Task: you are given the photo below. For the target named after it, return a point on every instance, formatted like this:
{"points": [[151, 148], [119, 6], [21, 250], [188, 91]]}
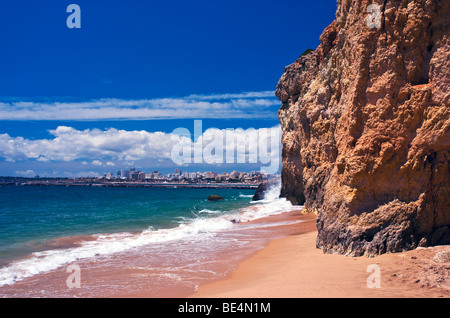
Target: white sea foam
{"points": [[207, 211], [271, 204], [107, 244]]}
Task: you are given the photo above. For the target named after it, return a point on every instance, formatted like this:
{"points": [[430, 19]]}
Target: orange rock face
{"points": [[366, 128]]}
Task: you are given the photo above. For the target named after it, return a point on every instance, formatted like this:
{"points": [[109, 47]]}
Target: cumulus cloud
{"points": [[243, 105], [102, 147], [26, 173], [70, 144]]}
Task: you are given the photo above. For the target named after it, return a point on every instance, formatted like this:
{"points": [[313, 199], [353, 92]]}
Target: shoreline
{"points": [[292, 267], [281, 261], [172, 269]]}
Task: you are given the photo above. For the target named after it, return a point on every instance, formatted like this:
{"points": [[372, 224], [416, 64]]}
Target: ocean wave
{"points": [[107, 244], [208, 211]]}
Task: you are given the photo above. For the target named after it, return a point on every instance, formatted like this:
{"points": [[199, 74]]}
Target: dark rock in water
{"points": [[263, 188], [215, 198], [259, 193]]}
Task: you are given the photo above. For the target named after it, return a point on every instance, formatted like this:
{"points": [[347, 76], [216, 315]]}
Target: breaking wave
{"points": [[106, 244]]}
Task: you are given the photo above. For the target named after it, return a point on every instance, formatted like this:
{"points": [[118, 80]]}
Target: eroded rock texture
{"points": [[366, 128]]}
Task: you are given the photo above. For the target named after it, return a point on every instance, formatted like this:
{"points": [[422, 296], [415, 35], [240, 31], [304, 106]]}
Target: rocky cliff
{"points": [[366, 128]]}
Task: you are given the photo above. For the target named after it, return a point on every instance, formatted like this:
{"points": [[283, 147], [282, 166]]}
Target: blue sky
{"points": [[145, 66]]}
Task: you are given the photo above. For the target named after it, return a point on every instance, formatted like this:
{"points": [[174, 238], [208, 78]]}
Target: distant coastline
{"points": [[95, 182]]}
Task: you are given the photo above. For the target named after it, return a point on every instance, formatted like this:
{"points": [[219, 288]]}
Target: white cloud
{"points": [[27, 173], [244, 105], [70, 144], [103, 147]]}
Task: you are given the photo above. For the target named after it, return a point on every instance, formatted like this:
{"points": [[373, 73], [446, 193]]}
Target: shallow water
{"points": [[162, 242]]}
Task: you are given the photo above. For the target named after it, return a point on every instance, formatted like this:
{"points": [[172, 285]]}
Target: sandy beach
{"points": [[292, 267], [279, 260]]}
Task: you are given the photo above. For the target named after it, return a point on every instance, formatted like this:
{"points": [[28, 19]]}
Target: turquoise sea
{"points": [[44, 228], [33, 216]]}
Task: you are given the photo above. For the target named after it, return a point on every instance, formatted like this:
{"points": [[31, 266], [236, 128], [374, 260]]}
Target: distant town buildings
{"points": [[185, 176], [136, 178]]}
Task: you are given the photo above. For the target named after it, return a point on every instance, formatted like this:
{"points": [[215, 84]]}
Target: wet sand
{"points": [[292, 267], [273, 257], [172, 269]]}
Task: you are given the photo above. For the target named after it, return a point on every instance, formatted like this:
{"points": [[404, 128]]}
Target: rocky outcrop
{"points": [[264, 188], [260, 191], [366, 128]]}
